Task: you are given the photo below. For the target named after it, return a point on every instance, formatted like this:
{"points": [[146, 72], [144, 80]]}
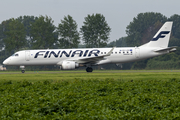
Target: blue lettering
{"points": [[95, 52], [80, 53], [160, 35], [46, 54], [55, 55], [85, 53], [37, 54], [64, 52]]}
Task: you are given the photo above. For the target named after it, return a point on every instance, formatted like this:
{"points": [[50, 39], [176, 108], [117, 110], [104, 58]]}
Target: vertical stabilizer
{"points": [[161, 39]]}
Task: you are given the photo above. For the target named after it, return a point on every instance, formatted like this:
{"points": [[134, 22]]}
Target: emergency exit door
{"points": [[137, 52]]}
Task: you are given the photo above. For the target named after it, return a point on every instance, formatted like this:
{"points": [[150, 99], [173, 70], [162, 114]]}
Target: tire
{"points": [[89, 69], [23, 71]]}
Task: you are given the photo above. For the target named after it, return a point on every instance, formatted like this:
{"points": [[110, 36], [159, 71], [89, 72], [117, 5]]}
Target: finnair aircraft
{"points": [[69, 59]]}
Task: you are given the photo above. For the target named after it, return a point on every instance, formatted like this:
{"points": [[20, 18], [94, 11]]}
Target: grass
{"points": [[98, 95], [101, 75]]}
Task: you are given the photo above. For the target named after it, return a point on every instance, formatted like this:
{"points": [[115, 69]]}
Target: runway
{"points": [[83, 71]]}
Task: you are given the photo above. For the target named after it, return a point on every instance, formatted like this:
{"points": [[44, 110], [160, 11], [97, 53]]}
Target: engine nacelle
{"points": [[69, 65]]}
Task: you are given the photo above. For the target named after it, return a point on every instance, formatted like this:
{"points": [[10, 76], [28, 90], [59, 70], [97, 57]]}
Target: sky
{"points": [[118, 13]]}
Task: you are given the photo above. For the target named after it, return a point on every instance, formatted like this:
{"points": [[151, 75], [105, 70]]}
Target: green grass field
{"points": [[100, 75], [78, 95]]}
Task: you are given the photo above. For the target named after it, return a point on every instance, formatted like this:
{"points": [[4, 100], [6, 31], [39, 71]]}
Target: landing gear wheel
{"points": [[89, 69], [23, 71]]}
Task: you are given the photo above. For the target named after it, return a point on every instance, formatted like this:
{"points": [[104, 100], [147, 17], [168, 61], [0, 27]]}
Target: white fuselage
{"points": [[72, 58], [57, 56]]}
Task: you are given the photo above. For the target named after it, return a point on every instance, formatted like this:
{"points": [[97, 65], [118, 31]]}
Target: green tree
{"points": [[175, 35], [68, 34], [27, 21], [176, 25], [3, 29], [95, 31], [121, 42], [1, 37], [15, 36], [143, 28], [43, 33]]}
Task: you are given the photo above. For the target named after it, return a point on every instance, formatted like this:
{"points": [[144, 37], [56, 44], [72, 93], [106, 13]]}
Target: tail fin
{"points": [[161, 39]]}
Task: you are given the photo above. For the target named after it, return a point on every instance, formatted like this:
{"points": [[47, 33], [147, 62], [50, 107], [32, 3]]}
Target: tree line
{"points": [[29, 32]]}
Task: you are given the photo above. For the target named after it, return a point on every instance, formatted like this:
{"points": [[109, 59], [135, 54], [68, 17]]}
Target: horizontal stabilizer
{"points": [[169, 49]]}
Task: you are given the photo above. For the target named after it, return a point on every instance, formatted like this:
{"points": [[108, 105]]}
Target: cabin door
{"points": [[27, 55]]}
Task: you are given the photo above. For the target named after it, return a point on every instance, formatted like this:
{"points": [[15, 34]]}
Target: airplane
{"points": [[69, 59]]}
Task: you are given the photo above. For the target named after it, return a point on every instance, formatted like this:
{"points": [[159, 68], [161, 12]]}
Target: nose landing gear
{"points": [[22, 69]]}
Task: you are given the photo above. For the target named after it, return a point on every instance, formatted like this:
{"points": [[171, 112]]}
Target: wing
{"points": [[90, 60], [94, 59]]}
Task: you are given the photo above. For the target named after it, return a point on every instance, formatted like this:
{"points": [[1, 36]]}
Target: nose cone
{"points": [[6, 62]]}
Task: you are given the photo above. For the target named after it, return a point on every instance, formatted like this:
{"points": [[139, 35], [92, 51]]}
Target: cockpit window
{"points": [[15, 55]]}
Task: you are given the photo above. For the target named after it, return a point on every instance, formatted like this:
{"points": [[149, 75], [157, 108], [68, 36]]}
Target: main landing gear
{"points": [[89, 69]]}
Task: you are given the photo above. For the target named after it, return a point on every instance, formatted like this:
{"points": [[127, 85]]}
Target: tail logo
{"points": [[162, 34]]}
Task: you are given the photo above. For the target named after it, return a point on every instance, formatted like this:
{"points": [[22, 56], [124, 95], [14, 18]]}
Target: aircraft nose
{"points": [[5, 62]]}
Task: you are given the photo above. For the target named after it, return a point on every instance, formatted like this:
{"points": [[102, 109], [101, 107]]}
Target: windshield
{"points": [[15, 54]]}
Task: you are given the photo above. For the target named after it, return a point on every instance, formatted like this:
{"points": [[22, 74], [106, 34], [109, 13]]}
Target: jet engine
{"points": [[69, 65]]}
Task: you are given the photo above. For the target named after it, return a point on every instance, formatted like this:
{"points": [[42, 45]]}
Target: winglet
{"points": [[109, 53]]}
